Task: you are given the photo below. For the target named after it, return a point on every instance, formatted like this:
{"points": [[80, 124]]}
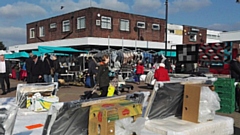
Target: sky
{"points": [[212, 14]]}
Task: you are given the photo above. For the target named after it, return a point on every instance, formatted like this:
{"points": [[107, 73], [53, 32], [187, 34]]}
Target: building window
{"points": [[155, 26], [32, 33], [106, 22], [81, 22], [171, 31], [53, 25], [41, 31], [212, 36], [65, 26], [124, 25], [193, 37], [141, 25]]}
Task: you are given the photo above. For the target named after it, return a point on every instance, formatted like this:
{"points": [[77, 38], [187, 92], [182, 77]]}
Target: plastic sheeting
{"points": [[67, 118], [24, 89], [127, 126], [25, 118], [8, 114], [167, 101], [209, 104], [139, 97], [173, 126]]}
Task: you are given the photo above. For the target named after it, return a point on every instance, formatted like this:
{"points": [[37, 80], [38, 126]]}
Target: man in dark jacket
{"points": [[29, 64], [92, 70], [47, 66], [235, 74], [5, 71], [36, 70], [235, 68], [56, 67]]}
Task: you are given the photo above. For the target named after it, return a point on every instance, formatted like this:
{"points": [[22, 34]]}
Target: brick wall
{"points": [[92, 30], [201, 35]]}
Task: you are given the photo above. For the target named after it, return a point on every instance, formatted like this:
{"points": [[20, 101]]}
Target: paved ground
{"points": [[71, 93]]}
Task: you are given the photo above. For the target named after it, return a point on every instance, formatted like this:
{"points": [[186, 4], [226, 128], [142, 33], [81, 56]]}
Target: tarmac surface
{"points": [[71, 93]]}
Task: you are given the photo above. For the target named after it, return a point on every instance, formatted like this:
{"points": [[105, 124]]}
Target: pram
{"points": [[121, 86]]}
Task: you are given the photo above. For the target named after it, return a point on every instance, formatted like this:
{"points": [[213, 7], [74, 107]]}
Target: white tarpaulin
{"points": [[173, 126], [28, 118], [25, 118]]}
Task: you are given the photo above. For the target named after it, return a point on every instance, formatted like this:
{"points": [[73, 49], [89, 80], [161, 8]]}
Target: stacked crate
{"points": [[226, 90]]}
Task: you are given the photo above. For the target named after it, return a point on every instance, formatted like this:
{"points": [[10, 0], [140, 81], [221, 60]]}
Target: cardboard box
{"points": [[191, 102], [102, 117]]}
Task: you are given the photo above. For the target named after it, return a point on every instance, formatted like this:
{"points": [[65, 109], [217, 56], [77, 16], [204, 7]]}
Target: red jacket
{"points": [[139, 69], [161, 74]]}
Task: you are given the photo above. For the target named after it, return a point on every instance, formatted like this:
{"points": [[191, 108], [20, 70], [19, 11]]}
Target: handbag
{"points": [[52, 70]]}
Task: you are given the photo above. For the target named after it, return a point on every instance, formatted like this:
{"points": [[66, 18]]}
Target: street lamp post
{"points": [[166, 29]]}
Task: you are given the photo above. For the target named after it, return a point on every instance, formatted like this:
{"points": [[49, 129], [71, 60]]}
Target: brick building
{"points": [[194, 35], [96, 27], [96, 22]]}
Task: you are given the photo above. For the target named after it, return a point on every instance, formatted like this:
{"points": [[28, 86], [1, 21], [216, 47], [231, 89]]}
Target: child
{"points": [[114, 81], [139, 71]]}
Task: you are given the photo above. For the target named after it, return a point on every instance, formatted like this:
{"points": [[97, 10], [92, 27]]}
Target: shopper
{"points": [[5, 71], [56, 68], [139, 71], [29, 64], [168, 64], [37, 70], [102, 76], [17, 68], [235, 68], [47, 67], [235, 74], [92, 70], [161, 74]]}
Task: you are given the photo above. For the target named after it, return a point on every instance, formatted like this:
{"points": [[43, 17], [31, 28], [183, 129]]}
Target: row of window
{"points": [[65, 27], [213, 36], [105, 23]]}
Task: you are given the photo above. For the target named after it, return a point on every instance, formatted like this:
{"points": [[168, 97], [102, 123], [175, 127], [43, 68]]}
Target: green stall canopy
{"points": [[9, 56], [18, 55], [51, 49], [169, 53], [40, 54]]}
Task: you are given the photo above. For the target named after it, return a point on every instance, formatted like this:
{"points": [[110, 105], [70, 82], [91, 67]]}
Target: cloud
{"points": [[115, 5], [225, 27], [146, 6], [185, 5], [21, 9], [12, 35], [189, 5], [70, 5]]}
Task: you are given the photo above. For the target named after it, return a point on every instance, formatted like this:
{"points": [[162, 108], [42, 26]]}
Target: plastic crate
{"points": [[226, 101], [223, 95], [224, 82], [227, 109], [224, 89]]}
